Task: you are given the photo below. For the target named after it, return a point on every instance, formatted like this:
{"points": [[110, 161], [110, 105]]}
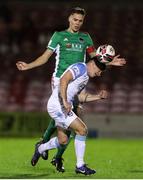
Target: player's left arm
{"points": [[91, 51], [87, 97], [117, 60]]}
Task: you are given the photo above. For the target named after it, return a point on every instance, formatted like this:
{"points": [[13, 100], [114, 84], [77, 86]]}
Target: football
{"points": [[105, 53]]}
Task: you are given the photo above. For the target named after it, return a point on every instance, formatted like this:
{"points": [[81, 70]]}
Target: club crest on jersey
{"points": [[81, 40], [68, 45]]}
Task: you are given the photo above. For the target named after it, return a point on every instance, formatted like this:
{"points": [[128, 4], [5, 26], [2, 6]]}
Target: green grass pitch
{"points": [[112, 158]]}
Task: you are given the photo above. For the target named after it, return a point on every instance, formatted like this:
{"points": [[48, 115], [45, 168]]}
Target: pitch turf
{"points": [[111, 158]]}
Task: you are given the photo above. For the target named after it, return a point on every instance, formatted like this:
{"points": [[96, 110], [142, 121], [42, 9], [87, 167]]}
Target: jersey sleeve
{"points": [[54, 41], [90, 46], [78, 70]]}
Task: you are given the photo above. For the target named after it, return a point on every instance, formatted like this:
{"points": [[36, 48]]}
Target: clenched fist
{"points": [[22, 65], [103, 94]]}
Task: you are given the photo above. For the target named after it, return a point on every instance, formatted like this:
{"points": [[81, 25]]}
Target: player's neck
{"points": [[71, 31]]}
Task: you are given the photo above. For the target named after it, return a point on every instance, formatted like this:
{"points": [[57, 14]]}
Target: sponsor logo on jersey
{"points": [[74, 47], [68, 45]]}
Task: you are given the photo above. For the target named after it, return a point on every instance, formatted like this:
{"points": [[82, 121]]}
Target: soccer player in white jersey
{"points": [[59, 107]]}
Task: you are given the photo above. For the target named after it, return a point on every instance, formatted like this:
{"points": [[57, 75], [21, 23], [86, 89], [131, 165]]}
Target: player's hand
{"points": [[103, 94], [117, 61], [22, 66], [67, 107]]}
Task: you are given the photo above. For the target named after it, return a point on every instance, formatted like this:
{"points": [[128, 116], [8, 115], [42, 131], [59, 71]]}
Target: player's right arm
{"points": [[38, 62], [73, 73], [64, 81], [52, 45]]}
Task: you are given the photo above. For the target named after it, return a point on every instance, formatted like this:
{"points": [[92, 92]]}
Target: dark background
{"points": [[25, 29]]}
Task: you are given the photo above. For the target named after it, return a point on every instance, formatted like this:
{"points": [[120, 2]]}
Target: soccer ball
{"points": [[105, 53]]}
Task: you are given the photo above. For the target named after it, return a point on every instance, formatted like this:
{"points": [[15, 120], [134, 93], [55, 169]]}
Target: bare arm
{"points": [[87, 97], [64, 81], [117, 60], [38, 62]]}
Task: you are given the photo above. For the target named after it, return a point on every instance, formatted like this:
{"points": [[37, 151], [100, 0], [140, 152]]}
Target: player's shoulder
{"points": [[61, 32], [56, 32], [84, 33], [80, 66]]}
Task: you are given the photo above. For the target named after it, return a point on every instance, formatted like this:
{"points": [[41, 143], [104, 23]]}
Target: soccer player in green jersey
{"points": [[70, 47]]}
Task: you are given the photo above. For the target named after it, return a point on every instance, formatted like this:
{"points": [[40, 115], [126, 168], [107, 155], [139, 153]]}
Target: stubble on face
{"points": [[75, 22]]}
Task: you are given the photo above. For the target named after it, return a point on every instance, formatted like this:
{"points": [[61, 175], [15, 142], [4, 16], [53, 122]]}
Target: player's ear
{"points": [[69, 19]]}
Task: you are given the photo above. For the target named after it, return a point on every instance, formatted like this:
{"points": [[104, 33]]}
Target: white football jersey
{"points": [[55, 107], [80, 79]]}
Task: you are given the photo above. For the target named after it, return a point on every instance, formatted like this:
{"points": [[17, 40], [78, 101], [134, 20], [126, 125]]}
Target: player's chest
{"points": [[73, 43], [81, 81]]}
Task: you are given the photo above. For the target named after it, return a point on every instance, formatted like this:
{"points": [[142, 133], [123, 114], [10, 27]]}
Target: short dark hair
{"points": [[100, 65], [78, 10]]}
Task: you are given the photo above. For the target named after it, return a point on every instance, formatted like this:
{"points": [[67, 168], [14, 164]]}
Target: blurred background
{"points": [[25, 29]]}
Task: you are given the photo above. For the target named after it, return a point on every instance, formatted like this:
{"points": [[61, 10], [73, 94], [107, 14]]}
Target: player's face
{"points": [[98, 72], [75, 22], [95, 71]]}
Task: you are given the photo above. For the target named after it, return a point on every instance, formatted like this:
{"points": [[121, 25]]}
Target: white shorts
{"points": [[56, 111]]}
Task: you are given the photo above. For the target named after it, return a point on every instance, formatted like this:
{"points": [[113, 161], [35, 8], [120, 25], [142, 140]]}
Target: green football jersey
{"points": [[70, 48]]}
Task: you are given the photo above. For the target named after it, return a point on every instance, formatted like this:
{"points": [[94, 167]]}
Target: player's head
{"points": [[95, 68], [76, 19]]}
